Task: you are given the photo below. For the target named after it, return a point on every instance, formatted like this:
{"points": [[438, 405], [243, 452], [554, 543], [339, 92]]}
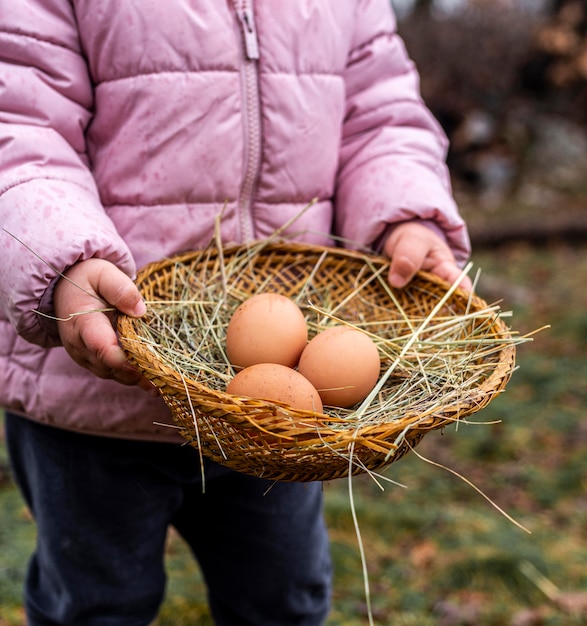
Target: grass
{"points": [[438, 553]]}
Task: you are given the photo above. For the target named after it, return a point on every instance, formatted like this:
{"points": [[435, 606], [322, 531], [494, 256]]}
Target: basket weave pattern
{"points": [[270, 439]]}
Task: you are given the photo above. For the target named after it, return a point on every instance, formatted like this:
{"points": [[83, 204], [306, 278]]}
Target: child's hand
{"points": [[90, 339], [413, 247]]}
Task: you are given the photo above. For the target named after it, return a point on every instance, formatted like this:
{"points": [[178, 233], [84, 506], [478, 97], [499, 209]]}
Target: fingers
{"points": [[413, 247], [408, 246], [92, 287], [93, 343], [407, 259], [118, 290], [449, 272]]}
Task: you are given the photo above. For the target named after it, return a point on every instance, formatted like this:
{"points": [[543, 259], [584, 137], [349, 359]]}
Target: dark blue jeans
{"points": [[103, 507]]}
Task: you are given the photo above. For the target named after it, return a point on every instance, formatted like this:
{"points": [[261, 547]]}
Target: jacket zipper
{"points": [[251, 116]]}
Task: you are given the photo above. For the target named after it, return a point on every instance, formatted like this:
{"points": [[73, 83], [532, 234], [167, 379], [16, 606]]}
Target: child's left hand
{"points": [[413, 247]]}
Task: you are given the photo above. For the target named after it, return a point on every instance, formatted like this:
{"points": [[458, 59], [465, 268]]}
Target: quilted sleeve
{"points": [[50, 211], [392, 162]]}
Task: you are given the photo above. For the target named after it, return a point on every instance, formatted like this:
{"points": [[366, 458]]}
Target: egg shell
{"points": [[266, 328], [343, 363], [272, 381]]}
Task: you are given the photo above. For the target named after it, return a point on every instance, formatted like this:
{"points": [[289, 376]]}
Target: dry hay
{"points": [[445, 354]]}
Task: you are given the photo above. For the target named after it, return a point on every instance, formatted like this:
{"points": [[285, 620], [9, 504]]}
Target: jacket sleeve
{"points": [[392, 162], [50, 211]]}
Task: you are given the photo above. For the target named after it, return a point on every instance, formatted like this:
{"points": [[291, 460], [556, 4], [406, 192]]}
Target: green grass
{"points": [[435, 547]]}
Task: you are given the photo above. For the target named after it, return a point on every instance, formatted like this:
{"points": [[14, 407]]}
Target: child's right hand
{"points": [[90, 338]]}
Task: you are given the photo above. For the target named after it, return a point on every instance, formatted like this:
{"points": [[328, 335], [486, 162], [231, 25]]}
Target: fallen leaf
{"points": [[574, 603]]}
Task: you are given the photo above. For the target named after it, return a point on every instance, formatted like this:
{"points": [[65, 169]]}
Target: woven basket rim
{"points": [[315, 427]]}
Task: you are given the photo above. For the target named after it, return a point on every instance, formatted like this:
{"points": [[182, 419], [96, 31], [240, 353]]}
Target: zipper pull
{"points": [[250, 33]]}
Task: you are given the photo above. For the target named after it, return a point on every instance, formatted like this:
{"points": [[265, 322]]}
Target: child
{"points": [[126, 127]]}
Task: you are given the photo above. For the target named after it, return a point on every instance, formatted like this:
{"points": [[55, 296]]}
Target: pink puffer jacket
{"points": [[125, 127]]}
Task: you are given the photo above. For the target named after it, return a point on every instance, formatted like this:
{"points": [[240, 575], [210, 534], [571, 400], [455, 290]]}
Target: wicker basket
{"points": [[269, 439]]}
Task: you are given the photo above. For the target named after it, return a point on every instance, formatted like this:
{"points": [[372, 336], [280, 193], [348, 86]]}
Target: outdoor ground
{"points": [[438, 553]]}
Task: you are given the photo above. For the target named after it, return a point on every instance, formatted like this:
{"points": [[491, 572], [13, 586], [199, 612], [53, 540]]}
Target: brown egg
{"points": [[266, 328], [271, 381], [342, 363]]}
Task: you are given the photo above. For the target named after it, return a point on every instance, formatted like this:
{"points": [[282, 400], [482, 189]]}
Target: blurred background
{"points": [[507, 79]]}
